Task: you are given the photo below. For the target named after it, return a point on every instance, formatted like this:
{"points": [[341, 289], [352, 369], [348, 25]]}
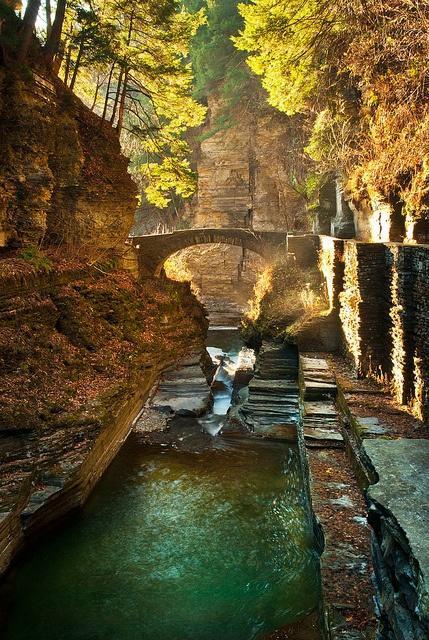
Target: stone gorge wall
{"points": [[62, 176], [79, 353], [80, 347], [245, 166], [243, 180], [383, 304], [380, 300]]}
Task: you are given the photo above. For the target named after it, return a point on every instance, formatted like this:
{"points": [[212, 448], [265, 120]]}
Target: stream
{"points": [[190, 535]]}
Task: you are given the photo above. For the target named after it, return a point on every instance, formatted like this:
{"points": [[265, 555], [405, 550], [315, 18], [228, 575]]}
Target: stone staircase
{"points": [[272, 406], [320, 417]]}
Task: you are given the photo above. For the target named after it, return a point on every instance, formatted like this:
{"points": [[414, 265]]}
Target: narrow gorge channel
{"points": [[198, 531]]}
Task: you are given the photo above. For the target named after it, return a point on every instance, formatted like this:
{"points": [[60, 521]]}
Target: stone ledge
{"points": [[399, 515]]}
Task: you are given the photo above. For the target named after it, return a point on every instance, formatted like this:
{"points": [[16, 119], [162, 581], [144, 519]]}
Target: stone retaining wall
{"points": [[381, 294]]}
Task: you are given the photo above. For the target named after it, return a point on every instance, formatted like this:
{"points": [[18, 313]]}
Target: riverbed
{"points": [[188, 536]]}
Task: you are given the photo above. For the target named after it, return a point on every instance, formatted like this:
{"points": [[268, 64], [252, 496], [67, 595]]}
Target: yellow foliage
{"points": [[263, 286]]}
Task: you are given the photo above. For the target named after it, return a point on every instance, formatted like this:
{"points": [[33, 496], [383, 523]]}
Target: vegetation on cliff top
{"points": [[218, 66], [128, 63], [358, 71], [355, 72]]}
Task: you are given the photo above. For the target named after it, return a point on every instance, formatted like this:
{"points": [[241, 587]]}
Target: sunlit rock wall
{"points": [[245, 166], [383, 304], [377, 219], [244, 180], [62, 176]]}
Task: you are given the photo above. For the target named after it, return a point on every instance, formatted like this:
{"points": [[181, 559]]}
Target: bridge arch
{"points": [[154, 250]]}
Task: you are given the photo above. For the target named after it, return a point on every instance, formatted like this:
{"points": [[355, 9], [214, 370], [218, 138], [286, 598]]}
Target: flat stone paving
{"points": [[384, 436], [339, 505], [320, 418]]}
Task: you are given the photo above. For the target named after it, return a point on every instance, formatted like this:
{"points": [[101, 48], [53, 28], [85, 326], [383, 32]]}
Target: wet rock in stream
{"points": [[183, 390], [270, 405]]}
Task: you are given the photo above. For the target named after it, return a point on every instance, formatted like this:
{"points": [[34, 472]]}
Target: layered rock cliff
{"points": [[79, 352], [247, 171], [81, 342], [63, 179]]}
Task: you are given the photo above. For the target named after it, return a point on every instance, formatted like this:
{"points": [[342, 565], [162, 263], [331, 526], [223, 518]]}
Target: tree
{"points": [[216, 62], [53, 41], [27, 29], [357, 70], [128, 61]]}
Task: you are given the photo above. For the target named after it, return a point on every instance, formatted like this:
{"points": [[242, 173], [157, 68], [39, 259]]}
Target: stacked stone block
{"points": [[419, 261], [381, 293]]}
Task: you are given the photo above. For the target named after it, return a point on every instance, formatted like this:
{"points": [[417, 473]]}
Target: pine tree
{"points": [[128, 61]]}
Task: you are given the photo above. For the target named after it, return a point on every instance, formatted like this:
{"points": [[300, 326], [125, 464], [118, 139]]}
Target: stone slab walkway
{"points": [[339, 506], [390, 449], [399, 514]]}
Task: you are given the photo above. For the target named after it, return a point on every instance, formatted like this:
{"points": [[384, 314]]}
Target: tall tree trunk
{"points": [[68, 61], [48, 11], [77, 63], [106, 101], [52, 45], [27, 29], [67, 50], [97, 89], [122, 103], [123, 93], [117, 96]]}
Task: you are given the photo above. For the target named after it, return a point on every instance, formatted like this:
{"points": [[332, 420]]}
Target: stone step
{"points": [[273, 384], [271, 393], [282, 416], [313, 364], [321, 424], [322, 409], [279, 431], [272, 374], [319, 390], [323, 435]]}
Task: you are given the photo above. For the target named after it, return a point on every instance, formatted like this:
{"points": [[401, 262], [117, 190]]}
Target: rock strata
{"points": [[84, 370], [271, 409], [63, 178], [183, 390]]}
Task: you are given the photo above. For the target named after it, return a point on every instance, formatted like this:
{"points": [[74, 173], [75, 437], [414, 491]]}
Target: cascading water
{"points": [[186, 537], [229, 361]]}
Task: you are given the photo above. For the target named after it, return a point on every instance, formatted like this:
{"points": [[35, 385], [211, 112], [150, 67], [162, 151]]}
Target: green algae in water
{"points": [[176, 545]]}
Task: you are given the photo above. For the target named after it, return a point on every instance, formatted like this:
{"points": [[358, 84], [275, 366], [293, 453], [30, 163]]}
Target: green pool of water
{"points": [[176, 545], [201, 539]]}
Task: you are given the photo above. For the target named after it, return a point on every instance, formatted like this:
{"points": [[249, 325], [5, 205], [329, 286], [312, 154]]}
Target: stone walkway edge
{"points": [[392, 476]]}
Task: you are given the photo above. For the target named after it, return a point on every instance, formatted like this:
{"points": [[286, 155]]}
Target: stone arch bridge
{"points": [[153, 250]]}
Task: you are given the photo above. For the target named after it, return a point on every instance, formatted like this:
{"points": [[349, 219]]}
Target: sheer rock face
{"points": [[79, 353], [245, 179], [246, 167], [62, 176]]}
